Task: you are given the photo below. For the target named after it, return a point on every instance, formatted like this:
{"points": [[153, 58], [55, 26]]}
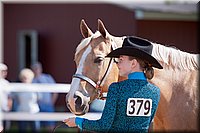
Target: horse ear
{"points": [[102, 29], [85, 30]]}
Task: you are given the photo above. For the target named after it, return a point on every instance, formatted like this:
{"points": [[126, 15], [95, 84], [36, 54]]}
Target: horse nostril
{"points": [[78, 100], [75, 96]]}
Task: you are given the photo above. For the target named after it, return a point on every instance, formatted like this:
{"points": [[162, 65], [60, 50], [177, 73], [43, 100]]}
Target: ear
{"points": [[102, 29], [85, 30], [134, 63]]}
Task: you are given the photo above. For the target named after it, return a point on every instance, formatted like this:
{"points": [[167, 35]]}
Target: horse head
{"points": [[94, 72]]}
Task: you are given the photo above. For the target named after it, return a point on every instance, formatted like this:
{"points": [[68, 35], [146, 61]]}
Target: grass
{"points": [[58, 129]]}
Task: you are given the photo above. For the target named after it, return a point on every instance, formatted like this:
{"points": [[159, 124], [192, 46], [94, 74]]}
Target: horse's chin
{"points": [[80, 113], [79, 110]]}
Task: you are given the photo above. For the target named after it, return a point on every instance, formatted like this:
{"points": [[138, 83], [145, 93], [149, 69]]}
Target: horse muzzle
{"points": [[78, 104]]}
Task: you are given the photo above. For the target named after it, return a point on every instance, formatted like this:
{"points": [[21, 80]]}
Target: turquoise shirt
{"points": [[115, 116], [137, 75]]}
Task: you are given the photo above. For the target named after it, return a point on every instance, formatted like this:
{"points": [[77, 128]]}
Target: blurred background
{"points": [[48, 31]]}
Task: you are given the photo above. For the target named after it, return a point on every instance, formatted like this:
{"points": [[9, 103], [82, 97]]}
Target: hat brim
{"points": [[135, 53]]}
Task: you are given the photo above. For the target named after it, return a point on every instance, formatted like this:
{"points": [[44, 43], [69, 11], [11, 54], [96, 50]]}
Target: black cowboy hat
{"points": [[136, 47]]}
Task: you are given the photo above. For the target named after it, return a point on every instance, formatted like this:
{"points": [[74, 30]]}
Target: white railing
{"points": [[56, 116], [35, 87], [41, 116]]}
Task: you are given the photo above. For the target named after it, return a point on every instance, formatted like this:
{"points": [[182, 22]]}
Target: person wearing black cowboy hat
{"points": [[131, 104]]}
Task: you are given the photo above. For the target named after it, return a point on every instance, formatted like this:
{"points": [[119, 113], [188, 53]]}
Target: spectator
{"points": [[1, 123], [47, 100], [27, 102], [5, 99]]}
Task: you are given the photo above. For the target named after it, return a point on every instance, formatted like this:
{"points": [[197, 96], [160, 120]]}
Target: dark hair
{"points": [[146, 67]]}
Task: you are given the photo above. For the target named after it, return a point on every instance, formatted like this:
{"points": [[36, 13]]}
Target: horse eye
{"points": [[98, 60], [116, 60]]}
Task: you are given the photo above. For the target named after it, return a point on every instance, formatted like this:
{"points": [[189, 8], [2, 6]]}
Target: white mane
{"points": [[175, 58]]}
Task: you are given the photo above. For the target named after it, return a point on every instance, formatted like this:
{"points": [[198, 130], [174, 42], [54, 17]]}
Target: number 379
{"points": [[139, 107]]}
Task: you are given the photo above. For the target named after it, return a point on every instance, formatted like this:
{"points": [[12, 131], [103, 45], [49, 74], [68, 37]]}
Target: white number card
{"points": [[139, 107]]}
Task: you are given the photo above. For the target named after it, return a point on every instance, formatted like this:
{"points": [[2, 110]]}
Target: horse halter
{"points": [[98, 85]]}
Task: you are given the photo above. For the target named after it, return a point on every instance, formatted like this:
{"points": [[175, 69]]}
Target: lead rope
{"points": [[58, 126]]}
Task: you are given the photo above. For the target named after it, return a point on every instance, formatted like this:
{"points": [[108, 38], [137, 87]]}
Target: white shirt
{"points": [[27, 101], [3, 98], [4, 94]]}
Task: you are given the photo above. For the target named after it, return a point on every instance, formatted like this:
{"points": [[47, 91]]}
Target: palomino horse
{"points": [[178, 81]]}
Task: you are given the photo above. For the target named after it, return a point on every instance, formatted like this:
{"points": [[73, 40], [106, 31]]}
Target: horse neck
{"points": [[120, 78]]}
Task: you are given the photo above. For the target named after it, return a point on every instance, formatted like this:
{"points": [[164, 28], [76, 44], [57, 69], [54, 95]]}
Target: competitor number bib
{"points": [[139, 107]]}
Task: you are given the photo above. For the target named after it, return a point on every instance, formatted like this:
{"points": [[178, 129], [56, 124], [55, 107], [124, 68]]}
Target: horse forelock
{"points": [[85, 42], [175, 58]]}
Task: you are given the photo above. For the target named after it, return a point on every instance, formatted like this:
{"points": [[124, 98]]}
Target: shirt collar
{"points": [[137, 75]]}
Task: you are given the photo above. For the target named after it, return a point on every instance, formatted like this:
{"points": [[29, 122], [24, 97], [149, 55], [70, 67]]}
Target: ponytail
{"points": [[149, 71]]}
